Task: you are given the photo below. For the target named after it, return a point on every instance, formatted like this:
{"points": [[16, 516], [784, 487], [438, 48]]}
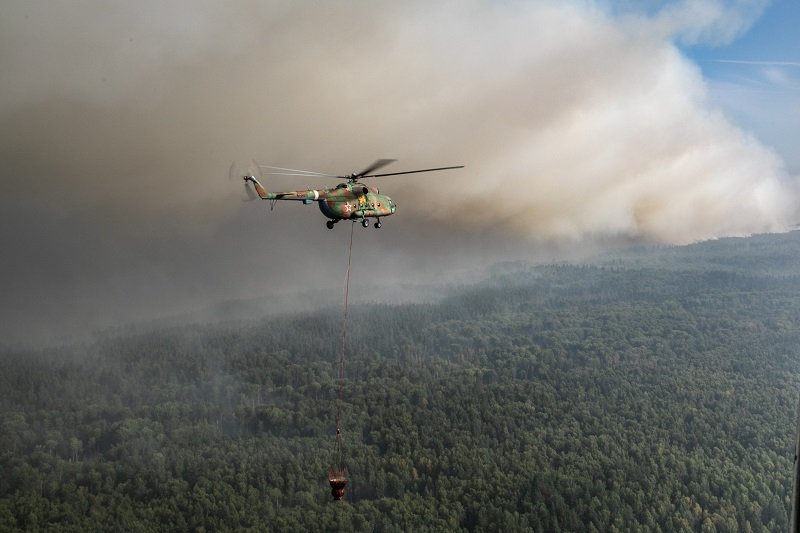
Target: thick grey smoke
{"points": [[118, 121]]}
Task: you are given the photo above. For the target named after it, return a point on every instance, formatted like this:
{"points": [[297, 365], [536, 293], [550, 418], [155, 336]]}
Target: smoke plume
{"points": [[118, 121]]}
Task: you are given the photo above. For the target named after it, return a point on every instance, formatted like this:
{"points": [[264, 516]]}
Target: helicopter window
{"points": [[341, 186]]}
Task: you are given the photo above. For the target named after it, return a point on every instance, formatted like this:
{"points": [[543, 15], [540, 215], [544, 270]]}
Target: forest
{"points": [[653, 389]]}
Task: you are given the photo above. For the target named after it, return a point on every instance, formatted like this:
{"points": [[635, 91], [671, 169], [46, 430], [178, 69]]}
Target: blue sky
{"points": [[755, 78]]}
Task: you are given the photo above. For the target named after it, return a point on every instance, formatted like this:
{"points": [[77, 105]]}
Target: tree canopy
{"points": [[652, 390]]}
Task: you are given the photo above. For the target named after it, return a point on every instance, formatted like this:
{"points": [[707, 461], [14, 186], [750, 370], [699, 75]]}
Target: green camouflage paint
{"points": [[346, 201]]}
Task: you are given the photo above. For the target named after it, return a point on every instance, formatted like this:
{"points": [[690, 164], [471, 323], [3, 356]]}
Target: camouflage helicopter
{"points": [[347, 201]]}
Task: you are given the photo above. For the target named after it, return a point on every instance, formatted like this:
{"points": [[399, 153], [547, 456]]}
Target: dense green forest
{"points": [[650, 390]]}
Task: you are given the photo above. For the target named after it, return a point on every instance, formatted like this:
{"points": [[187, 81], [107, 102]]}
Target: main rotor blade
{"points": [[380, 163], [304, 175], [411, 172], [299, 172]]}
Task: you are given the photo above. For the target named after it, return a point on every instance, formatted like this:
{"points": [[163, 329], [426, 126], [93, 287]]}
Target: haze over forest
{"points": [[647, 390]]}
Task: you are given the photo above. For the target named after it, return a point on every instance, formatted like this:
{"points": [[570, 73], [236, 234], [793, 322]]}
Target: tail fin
{"points": [[259, 189], [251, 195]]}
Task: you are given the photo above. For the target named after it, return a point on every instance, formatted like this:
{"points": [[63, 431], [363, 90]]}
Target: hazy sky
{"points": [[579, 122]]}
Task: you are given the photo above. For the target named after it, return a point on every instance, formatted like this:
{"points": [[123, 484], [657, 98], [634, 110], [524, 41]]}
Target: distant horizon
{"points": [[310, 301]]}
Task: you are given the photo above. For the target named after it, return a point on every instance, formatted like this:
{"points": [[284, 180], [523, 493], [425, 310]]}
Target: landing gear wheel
{"points": [[365, 222], [378, 224], [330, 224]]}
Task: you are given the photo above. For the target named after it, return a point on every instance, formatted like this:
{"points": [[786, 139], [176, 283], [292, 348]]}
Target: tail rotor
{"points": [[252, 171]]}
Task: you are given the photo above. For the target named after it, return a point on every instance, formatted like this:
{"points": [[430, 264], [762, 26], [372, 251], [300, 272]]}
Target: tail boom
{"points": [[306, 196]]}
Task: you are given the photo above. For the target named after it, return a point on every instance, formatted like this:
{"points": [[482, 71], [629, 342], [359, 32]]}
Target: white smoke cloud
{"points": [[575, 120]]}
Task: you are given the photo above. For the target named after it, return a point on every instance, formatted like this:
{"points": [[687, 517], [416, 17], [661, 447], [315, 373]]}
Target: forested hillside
{"points": [[651, 390]]}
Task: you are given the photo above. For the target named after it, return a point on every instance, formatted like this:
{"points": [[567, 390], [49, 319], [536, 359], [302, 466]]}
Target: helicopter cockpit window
{"points": [[341, 186]]}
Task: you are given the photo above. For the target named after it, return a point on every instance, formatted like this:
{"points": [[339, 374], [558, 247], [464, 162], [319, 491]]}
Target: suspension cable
{"points": [[343, 347], [337, 476]]}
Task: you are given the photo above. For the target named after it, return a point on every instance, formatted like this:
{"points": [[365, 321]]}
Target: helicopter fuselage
{"points": [[355, 201], [346, 201]]}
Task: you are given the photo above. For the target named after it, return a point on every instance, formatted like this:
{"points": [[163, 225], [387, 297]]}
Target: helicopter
{"points": [[351, 200]]}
